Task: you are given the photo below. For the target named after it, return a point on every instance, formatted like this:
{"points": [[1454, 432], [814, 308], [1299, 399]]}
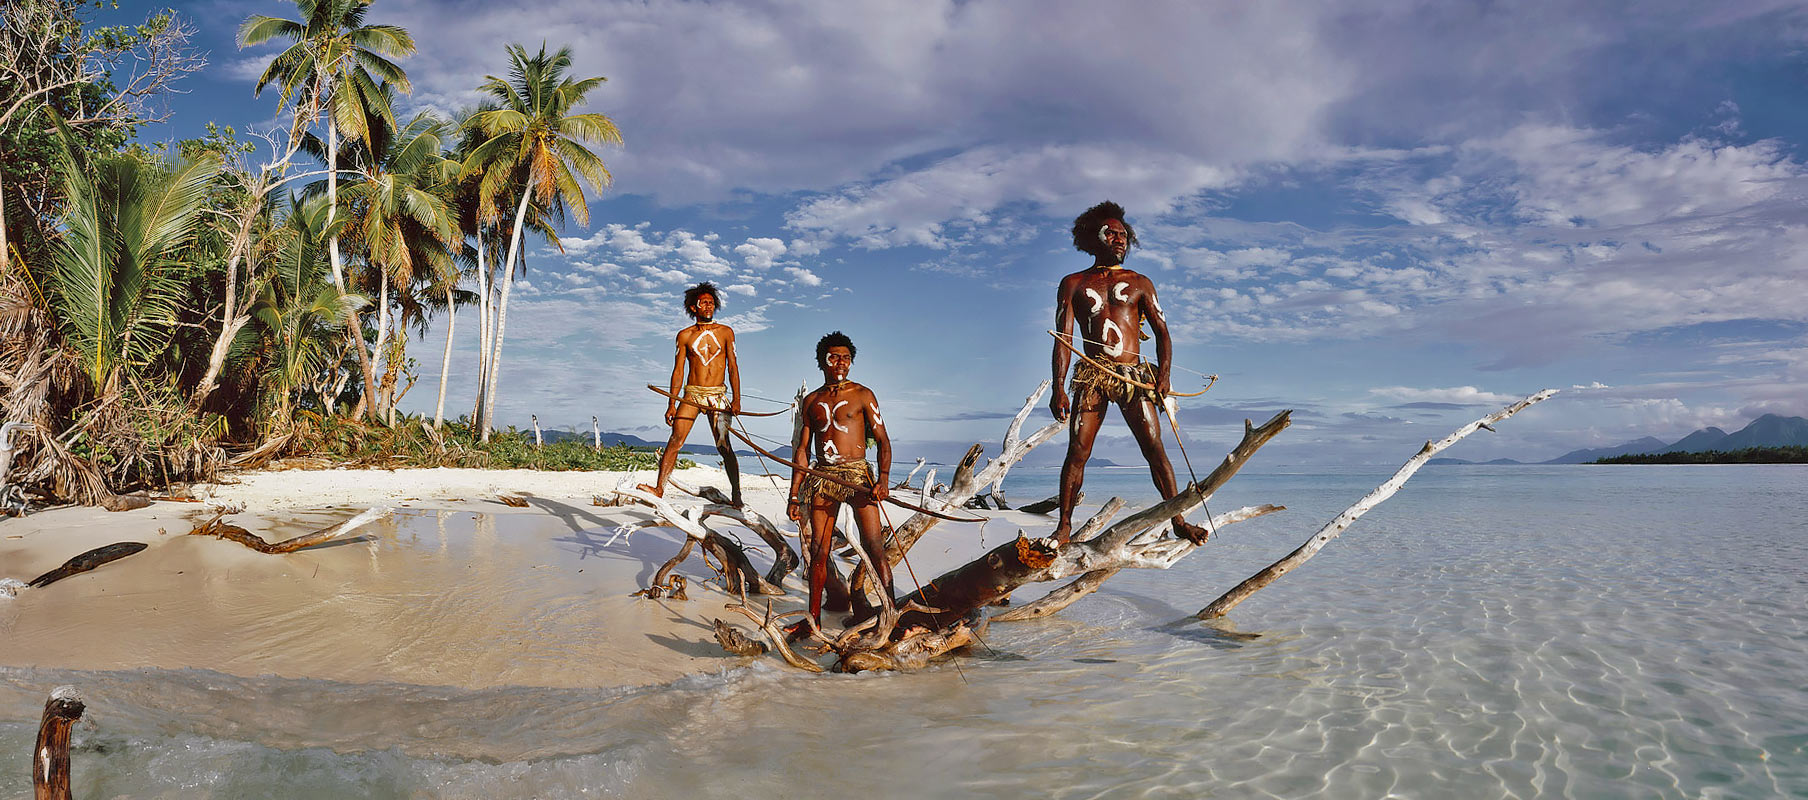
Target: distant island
{"points": [[1749, 455], [1769, 439]]}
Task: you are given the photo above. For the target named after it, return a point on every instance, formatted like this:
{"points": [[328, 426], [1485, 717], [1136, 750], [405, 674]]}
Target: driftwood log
{"points": [[50, 758], [225, 530], [93, 558], [1253, 583]]}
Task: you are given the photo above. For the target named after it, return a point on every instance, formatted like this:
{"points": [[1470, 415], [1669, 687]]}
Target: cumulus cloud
{"points": [[803, 276], [760, 252]]}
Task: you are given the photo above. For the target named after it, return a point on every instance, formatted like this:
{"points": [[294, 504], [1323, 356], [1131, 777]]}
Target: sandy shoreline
{"points": [[452, 588]]}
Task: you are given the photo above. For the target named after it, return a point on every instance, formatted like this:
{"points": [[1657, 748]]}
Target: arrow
{"points": [[1062, 338], [667, 393]]}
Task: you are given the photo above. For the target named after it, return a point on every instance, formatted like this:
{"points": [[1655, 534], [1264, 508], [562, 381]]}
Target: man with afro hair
{"points": [[1110, 304], [707, 348]]}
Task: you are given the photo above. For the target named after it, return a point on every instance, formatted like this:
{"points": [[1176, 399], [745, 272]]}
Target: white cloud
{"points": [[1460, 395], [741, 289], [804, 276], [760, 252]]}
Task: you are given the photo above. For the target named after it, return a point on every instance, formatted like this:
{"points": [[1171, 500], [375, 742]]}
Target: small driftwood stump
{"points": [[50, 758], [87, 561]]}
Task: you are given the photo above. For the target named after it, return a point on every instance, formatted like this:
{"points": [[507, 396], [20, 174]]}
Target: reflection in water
{"points": [[1474, 640]]}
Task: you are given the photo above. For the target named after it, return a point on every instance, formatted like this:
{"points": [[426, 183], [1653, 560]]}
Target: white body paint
{"points": [[44, 758], [1105, 338], [1098, 303], [829, 417], [707, 346], [1117, 292], [874, 410]]}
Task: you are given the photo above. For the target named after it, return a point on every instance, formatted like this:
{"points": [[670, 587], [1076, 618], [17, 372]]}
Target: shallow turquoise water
{"points": [[1489, 632]]}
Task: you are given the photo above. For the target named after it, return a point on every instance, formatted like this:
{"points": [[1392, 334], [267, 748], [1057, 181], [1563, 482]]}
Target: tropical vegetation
{"points": [[1747, 455], [169, 310]]}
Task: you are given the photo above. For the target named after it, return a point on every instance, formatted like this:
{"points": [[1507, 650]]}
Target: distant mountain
{"points": [[1700, 441], [1770, 430], [1645, 445]]}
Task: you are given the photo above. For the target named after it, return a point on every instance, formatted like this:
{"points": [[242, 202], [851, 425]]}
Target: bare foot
{"points": [[797, 631], [1062, 533], [652, 490], [1190, 532]]}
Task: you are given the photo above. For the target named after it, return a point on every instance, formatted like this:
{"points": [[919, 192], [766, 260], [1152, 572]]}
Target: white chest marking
{"points": [[1112, 331], [1098, 302], [1117, 292], [829, 417], [707, 346]]}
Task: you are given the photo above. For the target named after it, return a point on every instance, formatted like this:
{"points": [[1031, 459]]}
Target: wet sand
{"points": [[451, 589]]}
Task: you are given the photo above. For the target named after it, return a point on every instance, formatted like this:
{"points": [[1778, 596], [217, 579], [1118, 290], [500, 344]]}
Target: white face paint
{"points": [[1117, 292], [1112, 331], [706, 346], [1098, 302], [829, 417], [1104, 232]]}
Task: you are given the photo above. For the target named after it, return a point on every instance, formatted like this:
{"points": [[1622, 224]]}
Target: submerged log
{"points": [[225, 530], [87, 561], [981, 582], [1300, 555], [50, 758], [1045, 506]]}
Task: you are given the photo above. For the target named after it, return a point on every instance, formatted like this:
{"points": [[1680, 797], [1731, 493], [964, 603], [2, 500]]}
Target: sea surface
{"points": [[1563, 631]]}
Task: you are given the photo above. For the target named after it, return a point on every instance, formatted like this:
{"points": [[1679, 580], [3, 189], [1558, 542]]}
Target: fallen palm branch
{"points": [[217, 526], [1254, 583]]}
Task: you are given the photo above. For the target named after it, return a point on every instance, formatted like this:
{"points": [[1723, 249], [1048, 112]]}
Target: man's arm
{"points": [[875, 425], [1057, 402], [1164, 346], [671, 406], [734, 374], [800, 444]]}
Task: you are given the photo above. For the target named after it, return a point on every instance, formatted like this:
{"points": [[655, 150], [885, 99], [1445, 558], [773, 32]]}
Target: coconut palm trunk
{"points": [[508, 284], [445, 361], [354, 330]]}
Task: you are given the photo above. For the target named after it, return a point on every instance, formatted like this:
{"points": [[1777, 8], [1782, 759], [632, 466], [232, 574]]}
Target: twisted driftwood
{"points": [[738, 573], [225, 530], [1251, 585]]}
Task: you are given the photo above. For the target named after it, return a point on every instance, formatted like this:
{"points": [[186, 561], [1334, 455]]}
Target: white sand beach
{"points": [[452, 588]]}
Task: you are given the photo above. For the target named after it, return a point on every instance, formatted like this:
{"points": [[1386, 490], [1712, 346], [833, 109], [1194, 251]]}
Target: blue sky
{"points": [[1391, 217]]}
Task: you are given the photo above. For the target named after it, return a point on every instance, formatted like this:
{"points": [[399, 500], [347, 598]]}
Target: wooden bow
{"points": [[1125, 378], [839, 482], [667, 393]]}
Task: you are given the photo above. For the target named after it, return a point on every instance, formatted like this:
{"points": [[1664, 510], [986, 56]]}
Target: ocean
{"points": [[1491, 631]]}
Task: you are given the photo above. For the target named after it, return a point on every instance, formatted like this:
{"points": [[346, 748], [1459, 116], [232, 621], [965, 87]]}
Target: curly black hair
{"points": [[691, 295], [834, 339], [1086, 228]]}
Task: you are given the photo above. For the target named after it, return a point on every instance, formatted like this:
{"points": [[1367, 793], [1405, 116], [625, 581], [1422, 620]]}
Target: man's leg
{"points": [[681, 428], [1145, 423], [718, 425], [1082, 428], [872, 540]]}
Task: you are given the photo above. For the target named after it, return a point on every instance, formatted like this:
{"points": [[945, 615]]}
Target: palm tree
{"points": [[403, 224], [117, 285], [532, 144], [299, 311], [335, 63]]}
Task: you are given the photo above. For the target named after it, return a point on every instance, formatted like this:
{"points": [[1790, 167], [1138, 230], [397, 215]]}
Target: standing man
{"points": [[839, 418], [1110, 303], [707, 349]]}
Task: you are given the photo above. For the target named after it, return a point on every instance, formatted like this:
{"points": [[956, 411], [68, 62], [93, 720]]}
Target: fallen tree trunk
{"points": [[1086, 584], [50, 758], [1300, 555], [225, 530]]}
